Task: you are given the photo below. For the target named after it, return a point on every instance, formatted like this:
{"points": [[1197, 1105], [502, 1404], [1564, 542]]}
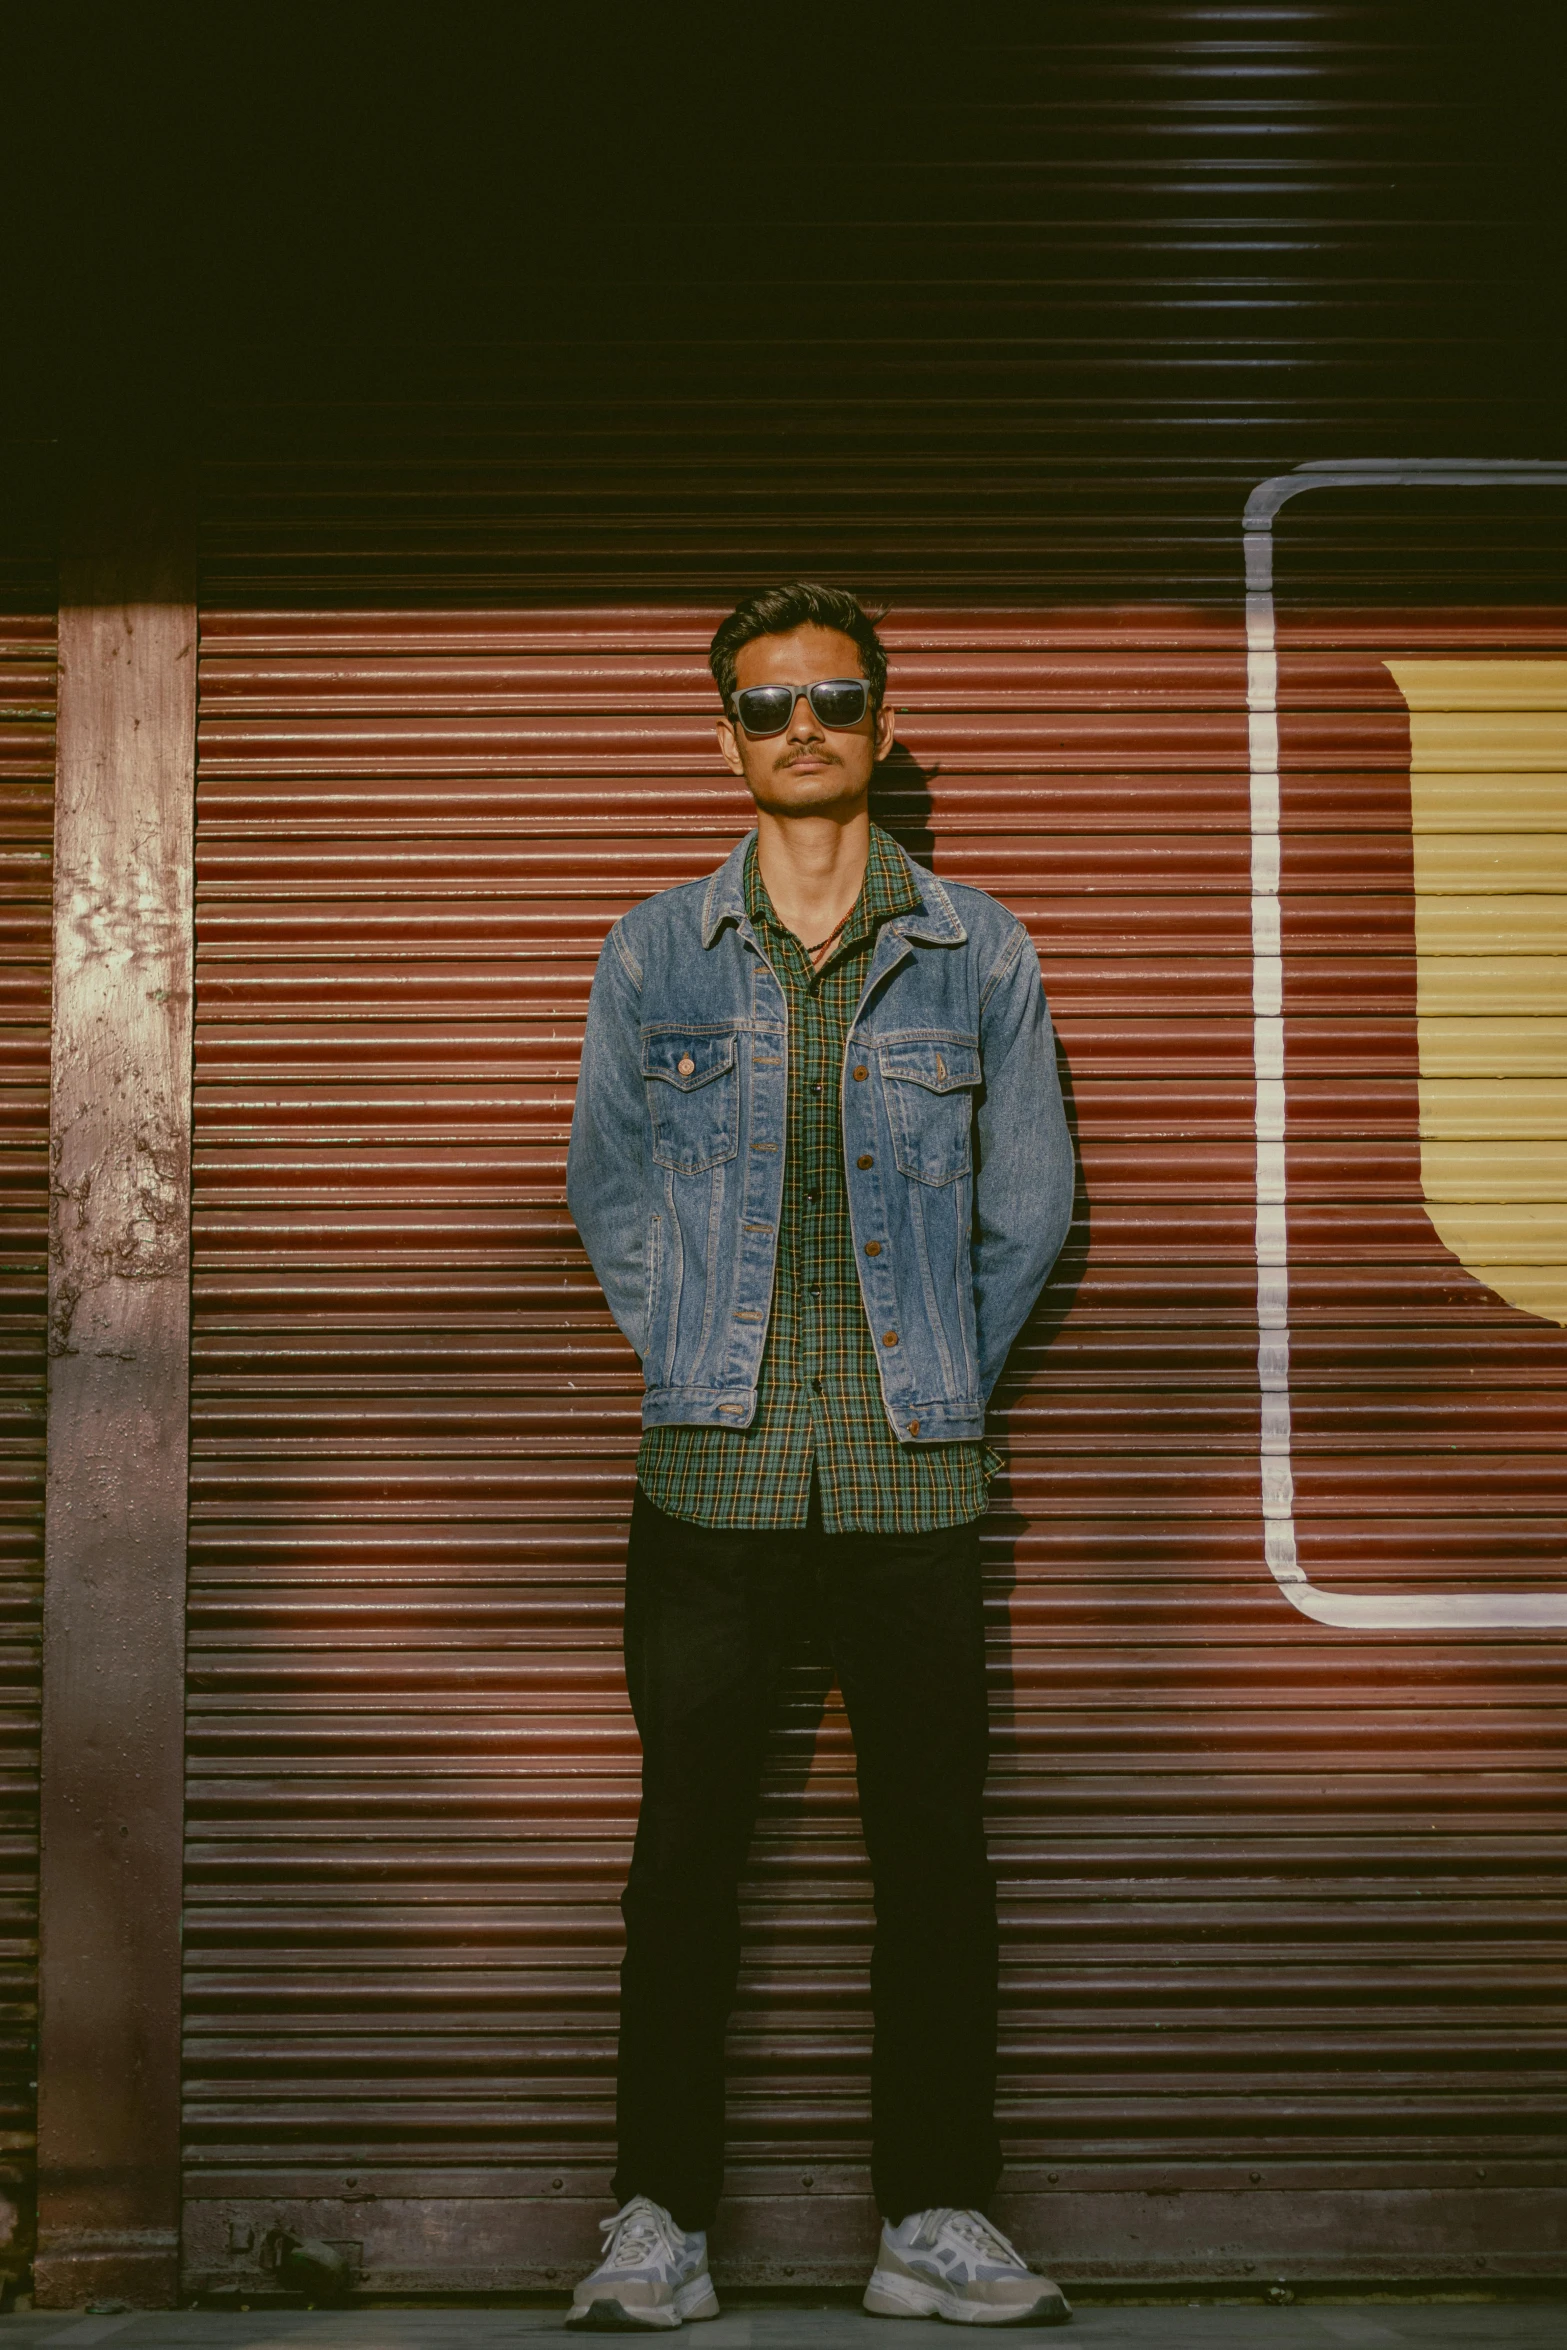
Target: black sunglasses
{"points": [[837, 701]]}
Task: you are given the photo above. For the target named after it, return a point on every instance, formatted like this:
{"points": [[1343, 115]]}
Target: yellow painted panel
{"points": [[1505, 1234], [1488, 806], [1507, 1109], [1523, 803], [1455, 985], [1511, 1174], [1478, 1046], [1452, 863], [1479, 742], [1488, 925], [1481, 685], [1533, 1289]]}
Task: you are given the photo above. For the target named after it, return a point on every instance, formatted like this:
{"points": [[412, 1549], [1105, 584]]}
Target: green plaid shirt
{"points": [[819, 1408]]}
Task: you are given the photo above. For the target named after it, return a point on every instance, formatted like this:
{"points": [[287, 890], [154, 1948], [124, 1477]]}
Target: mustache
{"points": [[823, 758]]}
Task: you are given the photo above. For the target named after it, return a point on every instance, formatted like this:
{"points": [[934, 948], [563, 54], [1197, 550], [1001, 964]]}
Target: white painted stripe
{"points": [[1270, 1090], [1278, 1487], [1276, 1423], [1264, 911], [1436, 1611], [1265, 801]]}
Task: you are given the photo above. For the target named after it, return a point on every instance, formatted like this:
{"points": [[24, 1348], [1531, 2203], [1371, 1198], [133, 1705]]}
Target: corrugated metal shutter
{"points": [[27, 699], [1424, 781], [1275, 1934]]}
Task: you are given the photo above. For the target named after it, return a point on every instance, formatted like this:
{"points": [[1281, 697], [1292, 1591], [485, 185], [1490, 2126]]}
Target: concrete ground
{"points": [[1317, 2325]]}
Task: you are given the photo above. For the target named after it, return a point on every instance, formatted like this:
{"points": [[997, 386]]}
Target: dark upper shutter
{"points": [[1276, 1935], [27, 696]]}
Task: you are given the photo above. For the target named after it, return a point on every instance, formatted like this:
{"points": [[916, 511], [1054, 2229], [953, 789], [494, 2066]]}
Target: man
{"points": [[820, 1163]]}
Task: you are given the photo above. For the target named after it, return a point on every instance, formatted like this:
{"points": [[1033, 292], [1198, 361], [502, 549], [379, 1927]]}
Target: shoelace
{"points": [[971, 2228], [636, 2231]]}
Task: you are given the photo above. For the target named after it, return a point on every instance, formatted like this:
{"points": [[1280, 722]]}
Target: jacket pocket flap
{"points": [[940, 1068], [687, 1061]]}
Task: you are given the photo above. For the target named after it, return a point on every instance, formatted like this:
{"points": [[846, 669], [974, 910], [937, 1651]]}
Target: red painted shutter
{"points": [[1276, 1967], [27, 701]]}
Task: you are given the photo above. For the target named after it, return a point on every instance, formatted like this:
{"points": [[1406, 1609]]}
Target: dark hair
{"points": [[775, 611]]}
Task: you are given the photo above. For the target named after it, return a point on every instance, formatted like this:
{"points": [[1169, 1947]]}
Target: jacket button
{"points": [[914, 1427], [859, 1073], [865, 1160], [685, 1064], [889, 1338], [873, 1248]]}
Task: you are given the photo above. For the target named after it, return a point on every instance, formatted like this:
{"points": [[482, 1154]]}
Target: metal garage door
{"points": [[1279, 1970]]}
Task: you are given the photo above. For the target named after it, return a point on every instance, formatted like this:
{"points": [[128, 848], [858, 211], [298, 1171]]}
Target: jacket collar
{"points": [[933, 922]]}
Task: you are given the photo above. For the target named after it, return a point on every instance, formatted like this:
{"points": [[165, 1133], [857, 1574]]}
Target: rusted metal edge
{"points": [[1117, 2234], [119, 1381]]}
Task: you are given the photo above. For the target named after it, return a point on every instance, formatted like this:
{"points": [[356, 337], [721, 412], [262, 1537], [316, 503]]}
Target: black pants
{"points": [[711, 1617]]}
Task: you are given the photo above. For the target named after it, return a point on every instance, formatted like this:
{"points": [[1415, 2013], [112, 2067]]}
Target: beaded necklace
{"points": [[811, 953]]}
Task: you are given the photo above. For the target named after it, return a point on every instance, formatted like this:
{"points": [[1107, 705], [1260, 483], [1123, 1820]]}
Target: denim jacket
{"points": [[956, 1151]]}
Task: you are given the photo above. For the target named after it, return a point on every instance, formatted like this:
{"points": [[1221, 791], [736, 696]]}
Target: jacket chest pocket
{"points": [[929, 1090], [692, 1090]]}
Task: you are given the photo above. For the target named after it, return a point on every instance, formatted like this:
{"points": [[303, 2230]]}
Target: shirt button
{"points": [[914, 1427], [865, 1160], [859, 1073], [873, 1248], [685, 1064], [811, 1198], [816, 1293], [817, 1086], [889, 1338], [818, 1387]]}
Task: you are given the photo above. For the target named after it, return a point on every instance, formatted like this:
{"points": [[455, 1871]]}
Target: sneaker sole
{"points": [[612, 2317], [691, 2305], [895, 2296]]}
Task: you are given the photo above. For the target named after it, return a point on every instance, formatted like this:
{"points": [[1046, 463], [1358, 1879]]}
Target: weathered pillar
{"points": [[119, 1379]]}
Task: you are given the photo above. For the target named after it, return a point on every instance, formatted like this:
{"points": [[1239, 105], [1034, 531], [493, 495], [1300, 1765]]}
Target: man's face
{"points": [[809, 769]]}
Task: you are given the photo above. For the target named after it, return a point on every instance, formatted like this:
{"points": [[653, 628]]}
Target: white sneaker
{"points": [[954, 2264], [652, 2274]]}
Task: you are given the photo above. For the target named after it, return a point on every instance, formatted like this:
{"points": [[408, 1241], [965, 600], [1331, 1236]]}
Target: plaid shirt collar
{"points": [[925, 912], [887, 889]]}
